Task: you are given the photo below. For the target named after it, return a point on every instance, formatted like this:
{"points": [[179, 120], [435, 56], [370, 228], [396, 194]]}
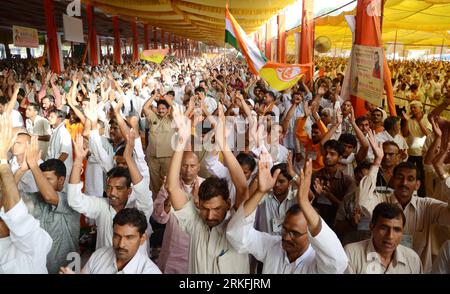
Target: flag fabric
{"points": [[236, 37], [278, 75], [155, 55], [283, 76]]}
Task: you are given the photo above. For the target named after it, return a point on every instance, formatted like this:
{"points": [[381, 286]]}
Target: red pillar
{"points": [[163, 39], [281, 48], [52, 37], [93, 48], [146, 43], [307, 37], [169, 41], [155, 38], [135, 41], [117, 53]]}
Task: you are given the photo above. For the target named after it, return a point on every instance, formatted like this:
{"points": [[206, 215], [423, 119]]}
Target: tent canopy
{"points": [[201, 20], [418, 23]]}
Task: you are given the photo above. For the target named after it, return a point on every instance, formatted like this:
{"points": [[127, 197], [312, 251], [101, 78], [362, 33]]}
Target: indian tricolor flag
{"points": [[236, 37], [279, 76]]}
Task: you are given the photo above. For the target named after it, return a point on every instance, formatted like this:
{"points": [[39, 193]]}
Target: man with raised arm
{"points": [[24, 245], [306, 244], [420, 213], [118, 189], [209, 250]]}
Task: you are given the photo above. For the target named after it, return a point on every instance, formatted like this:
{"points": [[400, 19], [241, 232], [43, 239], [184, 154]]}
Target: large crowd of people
{"points": [[233, 176]]}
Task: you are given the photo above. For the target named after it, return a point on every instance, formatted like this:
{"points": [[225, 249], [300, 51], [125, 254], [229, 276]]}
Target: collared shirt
{"points": [[40, 127], [62, 224], [324, 255], [420, 214], [160, 135], [363, 259], [416, 138], [339, 184], [103, 261], [209, 250], [385, 136], [61, 142], [173, 257], [270, 212], [103, 213], [441, 264], [25, 250]]}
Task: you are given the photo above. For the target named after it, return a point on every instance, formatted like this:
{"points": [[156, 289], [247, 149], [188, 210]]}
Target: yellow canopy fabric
{"points": [[201, 20], [418, 23]]}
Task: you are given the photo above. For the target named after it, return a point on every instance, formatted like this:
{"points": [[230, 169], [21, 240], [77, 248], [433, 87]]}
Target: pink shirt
{"points": [[173, 258]]}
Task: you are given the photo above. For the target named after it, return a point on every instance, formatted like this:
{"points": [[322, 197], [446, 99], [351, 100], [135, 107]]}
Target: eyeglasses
{"points": [[292, 234]]}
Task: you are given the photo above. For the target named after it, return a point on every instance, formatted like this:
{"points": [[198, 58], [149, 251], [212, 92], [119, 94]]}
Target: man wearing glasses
{"points": [[306, 245]]}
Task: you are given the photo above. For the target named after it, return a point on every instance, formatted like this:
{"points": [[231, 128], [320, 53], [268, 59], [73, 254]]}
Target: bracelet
{"points": [[4, 161]]}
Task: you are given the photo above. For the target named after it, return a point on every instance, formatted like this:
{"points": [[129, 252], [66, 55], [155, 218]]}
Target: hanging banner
{"points": [[25, 37], [367, 73], [73, 29]]}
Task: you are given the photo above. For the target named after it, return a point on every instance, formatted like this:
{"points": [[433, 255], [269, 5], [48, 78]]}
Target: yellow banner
{"points": [[156, 55]]}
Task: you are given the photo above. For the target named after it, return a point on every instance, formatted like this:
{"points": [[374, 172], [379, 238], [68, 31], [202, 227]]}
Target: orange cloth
{"points": [[307, 143], [74, 129]]}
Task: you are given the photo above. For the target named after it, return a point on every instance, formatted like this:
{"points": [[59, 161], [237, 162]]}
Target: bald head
{"points": [[190, 167]]}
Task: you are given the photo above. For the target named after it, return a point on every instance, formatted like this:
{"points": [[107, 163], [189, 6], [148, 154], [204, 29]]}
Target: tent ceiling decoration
{"points": [[201, 20], [418, 23]]}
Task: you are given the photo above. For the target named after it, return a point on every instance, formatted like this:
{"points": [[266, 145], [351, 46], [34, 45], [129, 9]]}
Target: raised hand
{"points": [[33, 154], [377, 147], [305, 184], [6, 135], [129, 147], [183, 125], [265, 179], [436, 129], [91, 110], [78, 147]]}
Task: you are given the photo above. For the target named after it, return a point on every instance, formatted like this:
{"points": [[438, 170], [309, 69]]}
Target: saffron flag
{"points": [[156, 55], [283, 76], [279, 76]]}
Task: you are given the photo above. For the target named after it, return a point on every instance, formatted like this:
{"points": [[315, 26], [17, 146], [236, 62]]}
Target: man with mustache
{"points": [[124, 256], [420, 213], [120, 193], [383, 253], [306, 245]]}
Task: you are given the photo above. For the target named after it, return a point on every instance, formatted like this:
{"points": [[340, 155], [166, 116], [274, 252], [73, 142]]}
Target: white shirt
{"points": [[25, 250], [103, 261], [40, 127], [385, 136], [27, 184], [270, 212], [209, 250], [16, 118], [95, 171], [325, 253], [103, 213], [61, 142]]}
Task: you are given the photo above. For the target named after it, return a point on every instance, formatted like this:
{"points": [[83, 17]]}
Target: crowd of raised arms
{"points": [[230, 175]]}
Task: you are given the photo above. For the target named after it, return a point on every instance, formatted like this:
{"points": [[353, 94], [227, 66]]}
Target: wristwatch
{"points": [[4, 161]]}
